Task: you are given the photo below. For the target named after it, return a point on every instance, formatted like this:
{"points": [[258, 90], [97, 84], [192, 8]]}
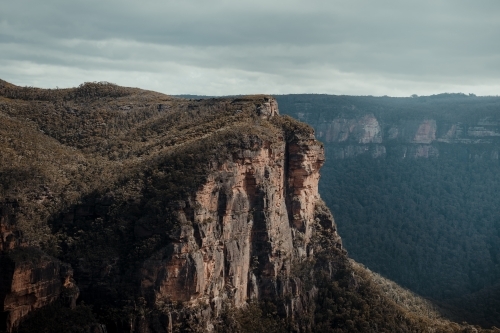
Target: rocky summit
{"points": [[124, 210]]}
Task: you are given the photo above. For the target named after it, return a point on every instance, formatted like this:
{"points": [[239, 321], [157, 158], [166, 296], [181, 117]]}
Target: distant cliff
{"points": [[414, 127], [413, 183]]}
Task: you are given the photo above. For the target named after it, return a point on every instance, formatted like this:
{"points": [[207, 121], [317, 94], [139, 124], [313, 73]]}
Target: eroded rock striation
{"points": [[176, 215], [29, 278]]}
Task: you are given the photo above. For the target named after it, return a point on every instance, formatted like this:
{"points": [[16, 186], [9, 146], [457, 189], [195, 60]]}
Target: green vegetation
{"points": [[98, 173], [433, 223], [349, 298]]}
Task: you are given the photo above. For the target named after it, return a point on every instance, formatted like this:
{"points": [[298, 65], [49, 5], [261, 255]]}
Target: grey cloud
{"points": [[239, 22], [440, 44]]}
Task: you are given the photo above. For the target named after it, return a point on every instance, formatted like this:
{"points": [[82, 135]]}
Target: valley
{"points": [[413, 184]]}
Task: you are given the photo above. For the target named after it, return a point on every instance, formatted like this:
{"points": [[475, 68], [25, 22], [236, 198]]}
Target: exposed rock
{"points": [[417, 139], [426, 132], [363, 130], [215, 204], [379, 127], [268, 109], [370, 131], [241, 230], [29, 280]]}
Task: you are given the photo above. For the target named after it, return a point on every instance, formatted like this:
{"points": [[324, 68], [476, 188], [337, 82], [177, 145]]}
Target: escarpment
{"points": [[403, 177], [405, 128], [131, 211], [29, 279], [241, 230], [213, 203]]}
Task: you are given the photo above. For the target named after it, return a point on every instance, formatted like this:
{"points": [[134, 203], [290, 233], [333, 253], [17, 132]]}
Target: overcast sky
{"points": [[220, 47]]}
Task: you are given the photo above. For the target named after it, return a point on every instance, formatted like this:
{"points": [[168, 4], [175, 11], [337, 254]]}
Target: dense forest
{"points": [[435, 222]]}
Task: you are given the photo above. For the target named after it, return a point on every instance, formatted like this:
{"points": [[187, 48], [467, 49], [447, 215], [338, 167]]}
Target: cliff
{"points": [[233, 238], [235, 223], [31, 280], [167, 214], [415, 127], [242, 230]]}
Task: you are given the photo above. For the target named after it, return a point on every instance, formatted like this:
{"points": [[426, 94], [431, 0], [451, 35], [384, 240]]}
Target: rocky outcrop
{"points": [[268, 109], [426, 132], [236, 237], [29, 280], [348, 138], [351, 137], [216, 211], [363, 130], [241, 232]]}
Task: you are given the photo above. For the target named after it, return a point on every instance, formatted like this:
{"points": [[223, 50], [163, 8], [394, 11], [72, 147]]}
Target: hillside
{"points": [[125, 210], [413, 184]]}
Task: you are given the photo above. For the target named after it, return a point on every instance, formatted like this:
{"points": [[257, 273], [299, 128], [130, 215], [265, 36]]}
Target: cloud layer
{"points": [[218, 47]]}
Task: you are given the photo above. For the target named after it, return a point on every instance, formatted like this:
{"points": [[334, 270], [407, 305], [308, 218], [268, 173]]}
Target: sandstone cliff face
{"points": [[30, 280], [365, 129], [242, 230], [367, 135]]}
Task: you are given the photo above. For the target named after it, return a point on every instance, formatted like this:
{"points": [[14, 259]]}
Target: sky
{"points": [[222, 47]]}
